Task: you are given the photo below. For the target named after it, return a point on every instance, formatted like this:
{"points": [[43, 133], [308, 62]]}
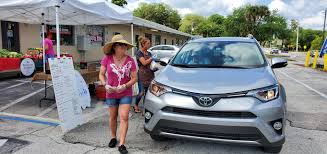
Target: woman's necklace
{"points": [[119, 61]]}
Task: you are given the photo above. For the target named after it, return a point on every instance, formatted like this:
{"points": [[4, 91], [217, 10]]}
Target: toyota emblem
{"points": [[205, 101]]}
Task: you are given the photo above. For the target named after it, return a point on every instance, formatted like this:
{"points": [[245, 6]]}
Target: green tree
{"points": [[294, 24], [274, 27], [217, 19], [258, 21], [119, 2], [190, 23], [317, 43], [160, 13]]}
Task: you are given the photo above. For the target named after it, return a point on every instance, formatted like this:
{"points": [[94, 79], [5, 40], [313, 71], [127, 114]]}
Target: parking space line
{"points": [[49, 109], [21, 99], [3, 141], [31, 119], [305, 85], [13, 86], [29, 81]]}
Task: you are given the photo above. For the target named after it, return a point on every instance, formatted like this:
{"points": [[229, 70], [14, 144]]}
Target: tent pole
{"points": [[43, 49], [57, 31], [132, 35]]}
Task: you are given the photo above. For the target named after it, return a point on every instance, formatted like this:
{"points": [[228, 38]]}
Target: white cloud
{"points": [[131, 5], [277, 5], [184, 11], [314, 22], [308, 12]]}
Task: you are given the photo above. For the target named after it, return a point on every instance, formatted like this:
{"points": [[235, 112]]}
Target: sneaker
{"points": [[122, 149], [112, 143]]}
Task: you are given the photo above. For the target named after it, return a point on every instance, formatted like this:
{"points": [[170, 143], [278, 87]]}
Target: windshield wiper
{"points": [[213, 66], [183, 65], [227, 66]]}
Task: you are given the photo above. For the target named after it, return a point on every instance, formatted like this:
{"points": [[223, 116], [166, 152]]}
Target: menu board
{"points": [[82, 94], [63, 79]]}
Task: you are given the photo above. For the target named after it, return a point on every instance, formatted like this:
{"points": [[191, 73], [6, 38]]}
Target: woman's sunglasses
{"points": [[121, 44]]}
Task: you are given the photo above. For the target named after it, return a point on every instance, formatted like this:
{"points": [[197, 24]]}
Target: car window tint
{"points": [[157, 48], [167, 48], [229, 53]]}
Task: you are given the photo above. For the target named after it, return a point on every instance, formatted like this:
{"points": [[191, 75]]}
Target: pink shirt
{"points": [[50, 50], [118, 75]]}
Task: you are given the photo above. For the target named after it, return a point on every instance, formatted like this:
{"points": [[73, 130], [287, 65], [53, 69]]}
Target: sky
{"points": [[309, 13]]}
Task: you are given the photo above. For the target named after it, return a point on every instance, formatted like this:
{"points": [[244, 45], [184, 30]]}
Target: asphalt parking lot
{"points": [[306, 130]]}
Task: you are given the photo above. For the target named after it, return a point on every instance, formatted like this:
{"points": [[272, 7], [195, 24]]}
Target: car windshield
{"points": [[229, 54]]}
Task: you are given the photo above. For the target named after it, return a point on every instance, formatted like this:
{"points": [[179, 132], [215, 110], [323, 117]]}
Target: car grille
{"points": [[213, 97], [247, 137], [213, 114], [226, 95]]}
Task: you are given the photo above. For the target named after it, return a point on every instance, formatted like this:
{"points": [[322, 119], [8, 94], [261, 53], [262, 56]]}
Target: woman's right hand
{"points": [[110, 89]]}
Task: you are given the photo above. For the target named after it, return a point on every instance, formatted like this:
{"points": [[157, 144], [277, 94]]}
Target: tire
{"points": [[273, 149], [157, 137]]}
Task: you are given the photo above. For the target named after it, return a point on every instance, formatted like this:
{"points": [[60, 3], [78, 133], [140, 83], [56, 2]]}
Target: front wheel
{"points": [[273, 149]]}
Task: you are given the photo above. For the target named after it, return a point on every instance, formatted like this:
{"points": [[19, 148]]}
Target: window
{"points": [[149, 36], [157, 40], [116, 33], [220, 54], [177, 41], [137, 41], [172, 42], [167, 48], [66, 34], [96, 35], [165, 41], [157, 48]]}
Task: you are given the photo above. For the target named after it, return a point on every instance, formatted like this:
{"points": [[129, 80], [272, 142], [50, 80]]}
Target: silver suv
{"points": [[164, 51], [219, 89]]}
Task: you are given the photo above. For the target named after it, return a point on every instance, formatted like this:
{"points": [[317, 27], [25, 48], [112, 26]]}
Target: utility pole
{"points": [[297, 37], [192, 28], [323, 31]]}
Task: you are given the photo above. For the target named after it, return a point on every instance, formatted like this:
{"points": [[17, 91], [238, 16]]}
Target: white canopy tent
{"points": [[65, 12]]}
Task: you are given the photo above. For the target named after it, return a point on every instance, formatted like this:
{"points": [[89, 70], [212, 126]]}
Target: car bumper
{"points": [[251, 124]]}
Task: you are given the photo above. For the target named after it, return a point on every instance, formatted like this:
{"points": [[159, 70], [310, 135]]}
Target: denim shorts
{"points": [[119, 101], [48, 56]]}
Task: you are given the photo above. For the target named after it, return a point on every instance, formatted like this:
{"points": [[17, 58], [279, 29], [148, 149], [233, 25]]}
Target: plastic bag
{"points": [[153, 66]]}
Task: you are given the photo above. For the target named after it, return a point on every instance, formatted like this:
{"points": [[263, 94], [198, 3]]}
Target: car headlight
{"points": [[266, 94], [158, 89]]}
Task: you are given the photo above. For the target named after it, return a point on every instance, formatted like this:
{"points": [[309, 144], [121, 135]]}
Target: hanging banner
{"points": [[323, 49]]}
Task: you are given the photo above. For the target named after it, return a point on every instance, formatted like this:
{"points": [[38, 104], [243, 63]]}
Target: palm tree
{"points": [[119, 2]]}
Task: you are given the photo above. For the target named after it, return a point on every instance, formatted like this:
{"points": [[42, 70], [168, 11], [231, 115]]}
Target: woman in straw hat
{"points": [[121, 73]]}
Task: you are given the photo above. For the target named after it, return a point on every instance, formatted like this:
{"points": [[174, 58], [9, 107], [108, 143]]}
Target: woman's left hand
{"points": [[121, 88]]}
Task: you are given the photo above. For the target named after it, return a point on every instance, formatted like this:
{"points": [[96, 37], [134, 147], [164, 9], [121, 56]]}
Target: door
{"points": [[10, 36]]}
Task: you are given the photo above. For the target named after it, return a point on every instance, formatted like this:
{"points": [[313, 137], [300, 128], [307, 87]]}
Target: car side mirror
{"points": [[162, 63], [278, 62]]}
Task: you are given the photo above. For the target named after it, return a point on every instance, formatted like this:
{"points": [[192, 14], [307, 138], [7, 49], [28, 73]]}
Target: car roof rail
{"points": [[250, 36]]}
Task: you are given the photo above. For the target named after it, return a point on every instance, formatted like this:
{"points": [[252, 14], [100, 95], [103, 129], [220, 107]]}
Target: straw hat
{"points": [[107, 48]]}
